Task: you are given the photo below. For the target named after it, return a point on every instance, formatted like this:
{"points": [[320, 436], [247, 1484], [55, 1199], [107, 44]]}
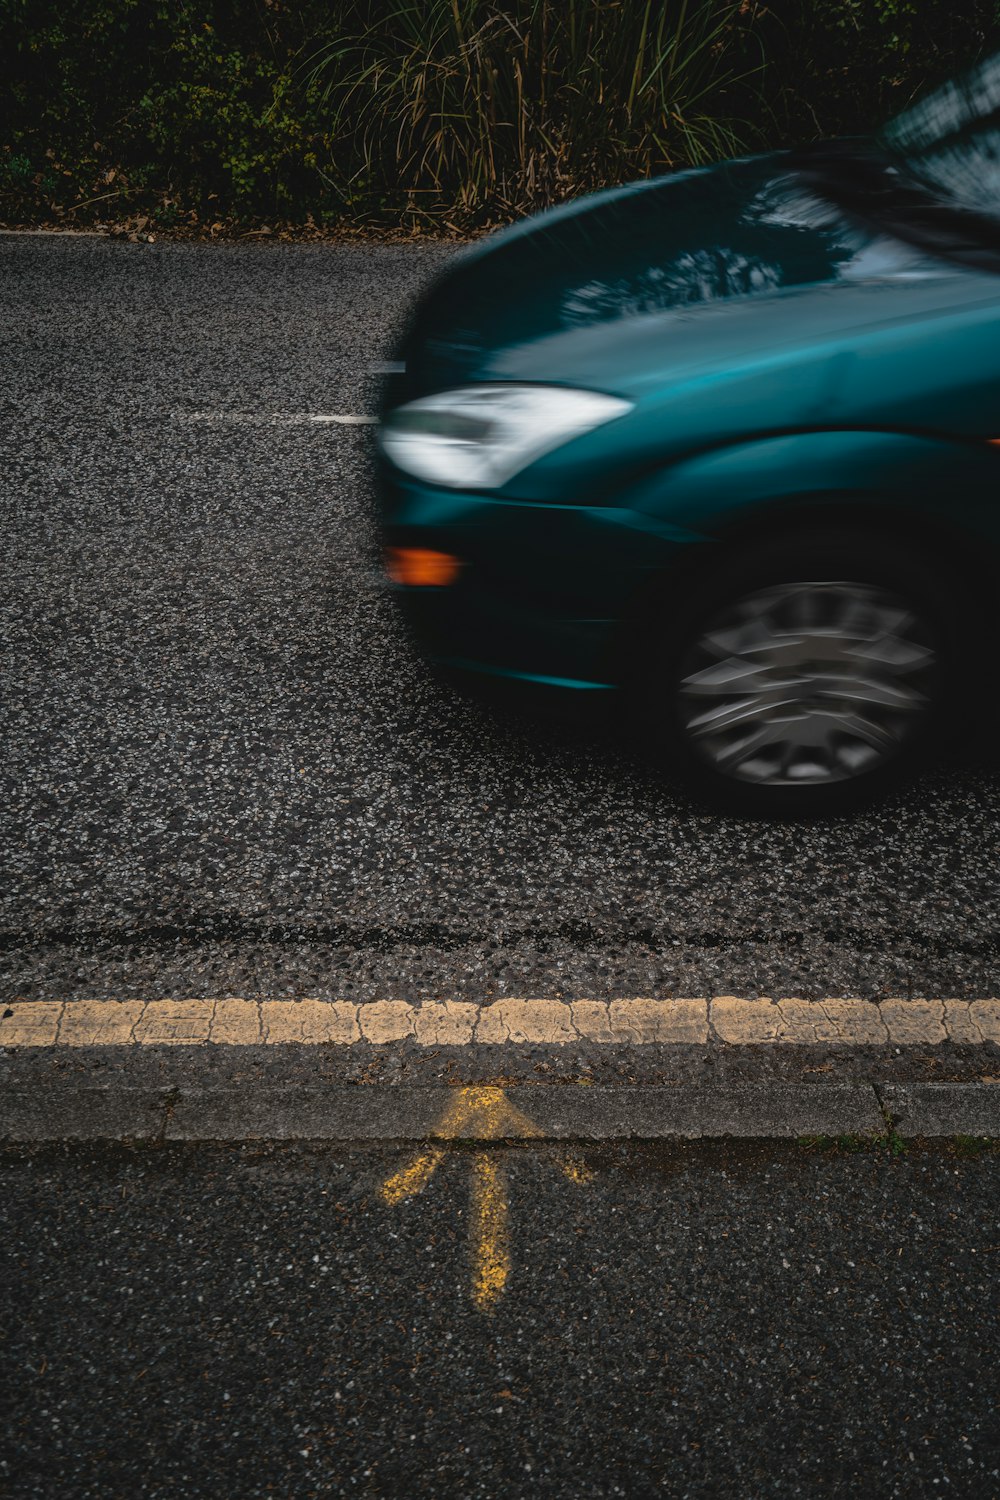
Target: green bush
{"points": [[430, 112], [164, 106]]}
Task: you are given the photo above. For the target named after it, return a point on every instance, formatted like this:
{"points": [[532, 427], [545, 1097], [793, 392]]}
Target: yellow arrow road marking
{"points": [[413, 1179], [484, 1112], [490, 1233]]}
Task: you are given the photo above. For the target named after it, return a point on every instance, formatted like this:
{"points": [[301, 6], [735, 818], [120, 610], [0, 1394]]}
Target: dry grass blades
{"points": [[475, 110]]}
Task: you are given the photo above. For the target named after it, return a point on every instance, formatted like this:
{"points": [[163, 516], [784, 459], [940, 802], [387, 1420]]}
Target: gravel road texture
{"points": [[227, 772]]}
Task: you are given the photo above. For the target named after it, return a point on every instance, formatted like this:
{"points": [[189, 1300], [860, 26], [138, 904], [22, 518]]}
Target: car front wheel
{"points": [[804, 677]]}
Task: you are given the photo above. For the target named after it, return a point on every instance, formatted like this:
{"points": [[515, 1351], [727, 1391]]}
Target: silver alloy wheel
{"points": [[800, 684]]}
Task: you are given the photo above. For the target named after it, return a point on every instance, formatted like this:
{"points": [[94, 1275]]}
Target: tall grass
{"points": [[473, 110]]}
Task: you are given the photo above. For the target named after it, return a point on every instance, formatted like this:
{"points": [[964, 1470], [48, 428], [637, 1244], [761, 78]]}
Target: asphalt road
{"points": [[690, 1321], [226, 770]]}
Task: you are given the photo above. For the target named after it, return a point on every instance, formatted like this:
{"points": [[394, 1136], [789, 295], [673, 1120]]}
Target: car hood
{"points": [[624, 289]]}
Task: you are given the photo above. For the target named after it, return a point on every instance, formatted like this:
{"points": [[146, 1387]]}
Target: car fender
{"points": [[921, 482]]}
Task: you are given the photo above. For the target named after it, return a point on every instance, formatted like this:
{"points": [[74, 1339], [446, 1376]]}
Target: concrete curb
{"points": [[72, 1111], [942, 1109]]}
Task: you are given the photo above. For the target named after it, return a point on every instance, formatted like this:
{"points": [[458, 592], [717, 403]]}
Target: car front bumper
{"points": [[547, 593]]}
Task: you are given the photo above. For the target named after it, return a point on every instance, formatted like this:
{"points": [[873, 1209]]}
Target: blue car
{"points": [[722, 448]]}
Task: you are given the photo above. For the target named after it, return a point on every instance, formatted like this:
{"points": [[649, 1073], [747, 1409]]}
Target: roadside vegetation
{"points": [[428, 116]]}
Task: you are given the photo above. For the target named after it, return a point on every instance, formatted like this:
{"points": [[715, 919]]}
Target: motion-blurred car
{"points": [[725, 443]]}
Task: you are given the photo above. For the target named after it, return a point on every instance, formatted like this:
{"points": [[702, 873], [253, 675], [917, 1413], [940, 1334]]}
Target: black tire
{"points": [[779, 570]]}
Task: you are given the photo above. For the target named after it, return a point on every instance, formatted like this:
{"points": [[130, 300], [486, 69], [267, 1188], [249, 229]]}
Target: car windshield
{"points": [[950, 142], [931, 177]]}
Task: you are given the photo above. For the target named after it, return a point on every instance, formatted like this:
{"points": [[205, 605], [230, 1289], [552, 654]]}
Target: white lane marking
{"points": [[348, 421], [275, 418]]}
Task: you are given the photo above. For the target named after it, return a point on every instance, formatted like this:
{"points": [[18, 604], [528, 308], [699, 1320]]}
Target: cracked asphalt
{"points": [[228, 772]]}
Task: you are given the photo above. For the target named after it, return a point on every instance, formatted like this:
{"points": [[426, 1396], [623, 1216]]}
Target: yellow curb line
{"points": [[236, 1022]]}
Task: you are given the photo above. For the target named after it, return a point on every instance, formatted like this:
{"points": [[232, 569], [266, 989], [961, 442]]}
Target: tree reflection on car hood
{"points": [[749, 229]]}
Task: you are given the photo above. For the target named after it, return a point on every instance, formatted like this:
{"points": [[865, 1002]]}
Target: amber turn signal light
{"points": [[420, 568]]}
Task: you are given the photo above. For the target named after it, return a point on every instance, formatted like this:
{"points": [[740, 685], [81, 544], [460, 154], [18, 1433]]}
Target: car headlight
{"points": [[481, 435]]}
